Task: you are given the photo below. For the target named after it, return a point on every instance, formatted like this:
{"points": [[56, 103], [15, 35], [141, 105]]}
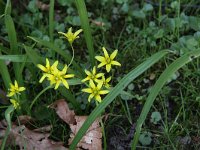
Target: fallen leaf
{"points": [[28, 139], [92, 139], [63, 111]]}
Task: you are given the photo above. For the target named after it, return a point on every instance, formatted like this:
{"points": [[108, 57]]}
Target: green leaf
{"points": [[147, 7], [164, 77], [80, 4], [139, 14], [114, 93], [15, 58], [145, 138], [155, 117]]}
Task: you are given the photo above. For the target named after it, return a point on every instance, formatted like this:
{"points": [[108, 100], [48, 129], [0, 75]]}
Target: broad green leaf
{"points": [[15, 58]]}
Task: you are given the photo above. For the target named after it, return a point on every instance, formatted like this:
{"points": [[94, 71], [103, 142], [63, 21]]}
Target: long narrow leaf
{"points": [[114, 93], [86, 28], [15, 58], [51, 19], [4, 73], [167, 74]]}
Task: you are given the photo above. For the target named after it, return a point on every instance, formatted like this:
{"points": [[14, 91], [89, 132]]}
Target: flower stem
{"points": [[48, 87], [72, 55]]}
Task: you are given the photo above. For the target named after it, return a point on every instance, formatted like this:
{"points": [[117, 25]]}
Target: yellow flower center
{"points": [[108, 60], [95, 91]]}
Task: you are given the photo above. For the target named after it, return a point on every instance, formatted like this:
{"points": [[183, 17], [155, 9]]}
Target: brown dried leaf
{"points": [[92, 139], [23, 119], [28, 139], [63, 111], [98, 23]]}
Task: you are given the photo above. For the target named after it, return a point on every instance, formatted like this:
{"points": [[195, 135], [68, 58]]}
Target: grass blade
{"points": [[51, 19], [177, 64], [115, 92], [80, 4], [15, 58], [4, 73]]}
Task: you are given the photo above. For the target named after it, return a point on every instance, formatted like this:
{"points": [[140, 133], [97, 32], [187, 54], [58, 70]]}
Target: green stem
{"points": [[72, 55], [103, 131], [33, 102]]}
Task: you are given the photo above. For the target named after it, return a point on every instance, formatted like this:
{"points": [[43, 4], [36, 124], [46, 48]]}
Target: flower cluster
{"points": [[15, 91], [102, 83], [54, 75]]}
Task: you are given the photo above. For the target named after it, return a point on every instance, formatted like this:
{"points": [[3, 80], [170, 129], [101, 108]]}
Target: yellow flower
{"points": [[57, 77], [70, 35], [47, 70], [93, 75], [95, 91], [14, 103], [106, 82], [15, 89], [107, 60]]}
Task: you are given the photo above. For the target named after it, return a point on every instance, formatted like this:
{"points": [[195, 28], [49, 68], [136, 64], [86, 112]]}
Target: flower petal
{"points": [[102, 92], [108, 67], [87, 90], [88, 72], [90, 97], [98, 98], [87, 78], [99, 85], [92, 85], [42, 68], [102, 64], [16, 84], [22, 89], [78, 32], [42, 78], [105, 52], [115, 63], [100, 58], [99, 75], [94, 70], [69, 76], [113, 55], [65, 84]]}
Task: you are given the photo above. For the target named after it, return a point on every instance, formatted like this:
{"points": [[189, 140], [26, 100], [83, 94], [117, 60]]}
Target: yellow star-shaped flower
{"points": [[95, 91], [106, 82], [58, 77], [93, 75], [14, 103], [15, 89], [48, 69], [70, 35], [107, 60]]}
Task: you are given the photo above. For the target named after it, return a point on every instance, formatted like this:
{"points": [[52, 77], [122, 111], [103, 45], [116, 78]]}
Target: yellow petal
{"points": [[115, 63], [22, 89], [87, 78], [99, 85], [78, 32], [98, 98], [42, 78], [87, 72], [42, 68], [90, 97], [10, 94], [108, 79], [102, 92], [55, 64], [105, 52], [65, 84], [47, 63], [57, 84], [69, 30], [113, 55], [64, 34], [108, 67], [16, 84], [100, 58], [99, 75], [64, 70], [92, 85], [94, 70], [69, 76], [102, 64], [87, 90]]}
